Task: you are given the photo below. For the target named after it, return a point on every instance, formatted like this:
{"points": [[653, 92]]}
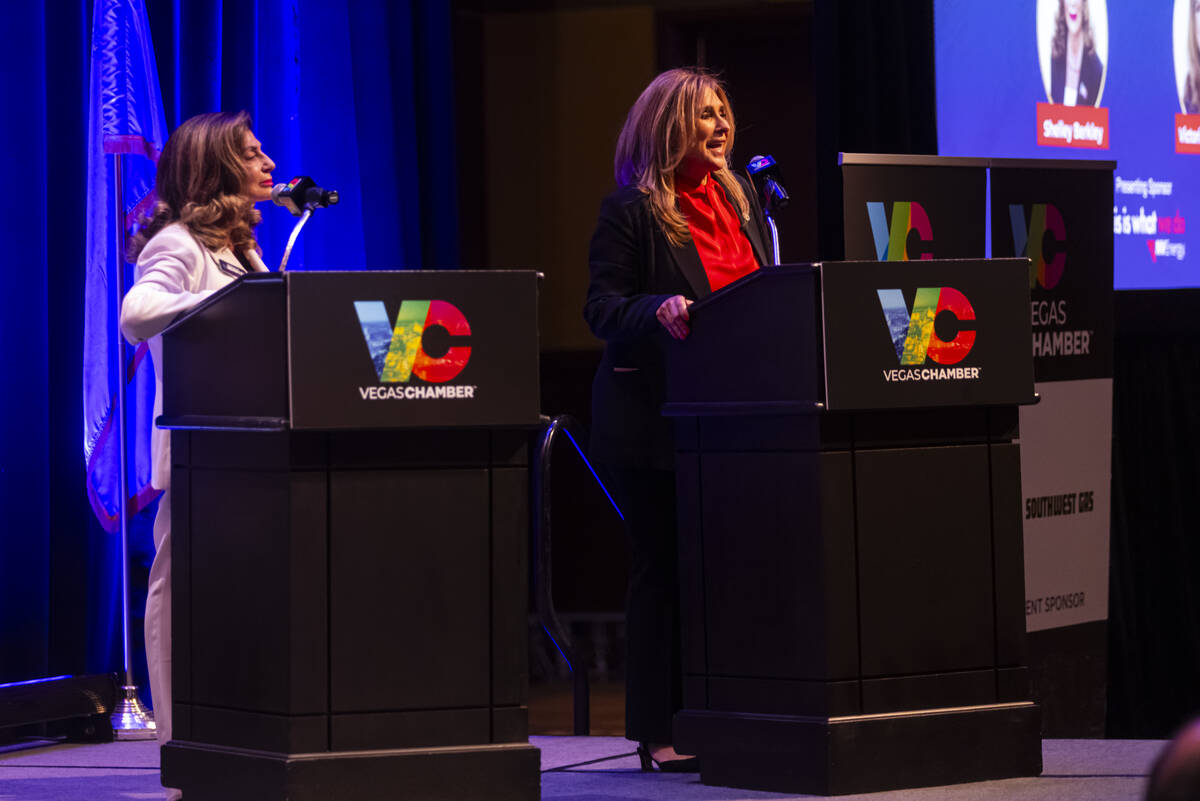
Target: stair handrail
{"points": [[543, 585]]}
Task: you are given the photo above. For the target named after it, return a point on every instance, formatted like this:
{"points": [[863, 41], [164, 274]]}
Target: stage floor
{"points": [[576, 768]]}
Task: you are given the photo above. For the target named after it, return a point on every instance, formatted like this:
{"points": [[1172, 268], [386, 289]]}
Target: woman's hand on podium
{"points": [[673, 314]]}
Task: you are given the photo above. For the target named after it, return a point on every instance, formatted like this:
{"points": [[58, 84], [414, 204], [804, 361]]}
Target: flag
{"points": [[126, 126]]}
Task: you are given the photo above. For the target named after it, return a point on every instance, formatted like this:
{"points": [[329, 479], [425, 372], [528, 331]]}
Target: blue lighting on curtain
{"points": [[356, 93], [359, 95], [25, 356]]}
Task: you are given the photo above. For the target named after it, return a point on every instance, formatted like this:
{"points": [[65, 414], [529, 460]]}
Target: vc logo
{"points": [[891, 244], [914, 335], [399, 351], [1044, 221]]}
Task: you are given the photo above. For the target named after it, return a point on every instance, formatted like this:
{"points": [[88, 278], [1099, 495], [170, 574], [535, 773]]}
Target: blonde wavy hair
{"points": [[658, 131], [200, 182]]}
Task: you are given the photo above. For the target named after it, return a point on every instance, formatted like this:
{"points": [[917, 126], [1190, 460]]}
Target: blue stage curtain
{"points": [[56, 563], [359, 95], [24, 358]]}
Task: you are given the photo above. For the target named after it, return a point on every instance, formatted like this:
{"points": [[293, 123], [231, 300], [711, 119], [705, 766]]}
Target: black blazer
{"points": [[634, 268], [1091, 72]]}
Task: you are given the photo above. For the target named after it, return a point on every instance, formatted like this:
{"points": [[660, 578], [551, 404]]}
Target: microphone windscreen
{"points": [[277, 194], [760, 163]]}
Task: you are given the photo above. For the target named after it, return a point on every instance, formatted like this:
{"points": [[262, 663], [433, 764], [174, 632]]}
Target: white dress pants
{"points": [[158, 625]]}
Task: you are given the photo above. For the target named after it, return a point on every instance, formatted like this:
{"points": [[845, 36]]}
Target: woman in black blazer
{"points": [[681, 225]]}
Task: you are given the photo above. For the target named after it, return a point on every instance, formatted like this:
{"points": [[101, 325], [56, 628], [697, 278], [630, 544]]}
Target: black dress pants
{"points": [[653, 691]]}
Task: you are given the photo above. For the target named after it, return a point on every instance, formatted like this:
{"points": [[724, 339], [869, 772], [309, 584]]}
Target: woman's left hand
{"points": [[673, 315]]}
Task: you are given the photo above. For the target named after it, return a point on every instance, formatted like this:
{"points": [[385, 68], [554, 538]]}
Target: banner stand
{"points": [[1058, 214]]}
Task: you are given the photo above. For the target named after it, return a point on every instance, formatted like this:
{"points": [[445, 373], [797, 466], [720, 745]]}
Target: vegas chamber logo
{"points": [[910, 224], [915, 335], [1044, 230], [401, 350]]}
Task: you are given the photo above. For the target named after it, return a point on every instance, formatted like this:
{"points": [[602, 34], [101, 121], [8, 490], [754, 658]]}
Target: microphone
{"points": [[302, 194], [774, 196], [765, 171]]}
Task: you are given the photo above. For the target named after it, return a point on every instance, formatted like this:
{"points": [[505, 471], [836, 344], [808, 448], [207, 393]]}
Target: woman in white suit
{"points": [[200, 237]]}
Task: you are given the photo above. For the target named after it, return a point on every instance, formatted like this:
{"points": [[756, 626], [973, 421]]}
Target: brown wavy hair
{"points": [[1058, 45], [660, 127], [200, 182]]}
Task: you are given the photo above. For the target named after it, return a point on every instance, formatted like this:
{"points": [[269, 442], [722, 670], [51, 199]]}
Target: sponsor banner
{"points": [[1058, 219], [1187, 134], [1072, 126], [913, 212], [1147, 210], [1066, 465], [927, 333], [438, 348]]}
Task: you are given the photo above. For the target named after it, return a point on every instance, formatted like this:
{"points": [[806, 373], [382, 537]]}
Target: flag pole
{"points": [[130, 720]]}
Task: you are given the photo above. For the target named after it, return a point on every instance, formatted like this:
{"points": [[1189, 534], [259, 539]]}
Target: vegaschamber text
{"points": [[439, 392], [932, 374]]}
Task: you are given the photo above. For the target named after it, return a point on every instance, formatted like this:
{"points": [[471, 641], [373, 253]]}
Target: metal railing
{"points": [[543, 585]]}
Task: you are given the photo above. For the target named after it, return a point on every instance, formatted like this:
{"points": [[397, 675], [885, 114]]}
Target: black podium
{"points": [[350, 519], [849, 524]]}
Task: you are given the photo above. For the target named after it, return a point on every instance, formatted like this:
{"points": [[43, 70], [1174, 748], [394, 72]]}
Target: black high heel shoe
{"points": [[684, 765]]}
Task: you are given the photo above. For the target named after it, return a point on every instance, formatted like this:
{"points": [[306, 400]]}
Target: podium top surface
{"points": [[907, 160], [858, 336]]}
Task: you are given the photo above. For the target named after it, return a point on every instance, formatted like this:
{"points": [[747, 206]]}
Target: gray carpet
{"points": [[591, 769]]}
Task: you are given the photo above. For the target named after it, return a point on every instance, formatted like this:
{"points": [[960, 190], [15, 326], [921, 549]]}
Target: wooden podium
{"points": [[350, 519], [849, 527]]}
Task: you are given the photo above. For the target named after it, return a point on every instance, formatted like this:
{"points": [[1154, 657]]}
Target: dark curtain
{"points": [[1154, 607], [24, 495], [874, 69], [357, 94], [54, 559]]}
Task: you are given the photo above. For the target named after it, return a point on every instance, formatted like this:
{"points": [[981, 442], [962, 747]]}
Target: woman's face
{"points": [[711, 138], [1074, 13], [257, 182]]}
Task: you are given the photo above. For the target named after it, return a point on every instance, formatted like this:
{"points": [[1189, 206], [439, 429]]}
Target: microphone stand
{"points": [[302, 187], [308, 210], [774, 196], [777, 198], [774, 240]]}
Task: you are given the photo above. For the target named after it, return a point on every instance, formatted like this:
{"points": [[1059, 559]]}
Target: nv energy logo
{"points": [[1043, 232], [910, 225], [422, 342], [915, 336]]}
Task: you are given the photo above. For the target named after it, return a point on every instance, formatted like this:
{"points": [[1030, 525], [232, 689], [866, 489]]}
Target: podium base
{"points": [[506, 772], [862, 753]]}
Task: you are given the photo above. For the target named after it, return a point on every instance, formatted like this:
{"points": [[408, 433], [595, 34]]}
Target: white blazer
{"points": [[174, 272]]}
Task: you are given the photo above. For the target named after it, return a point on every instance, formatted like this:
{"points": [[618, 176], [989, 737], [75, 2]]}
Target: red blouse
{"points": [[716, 229]]}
